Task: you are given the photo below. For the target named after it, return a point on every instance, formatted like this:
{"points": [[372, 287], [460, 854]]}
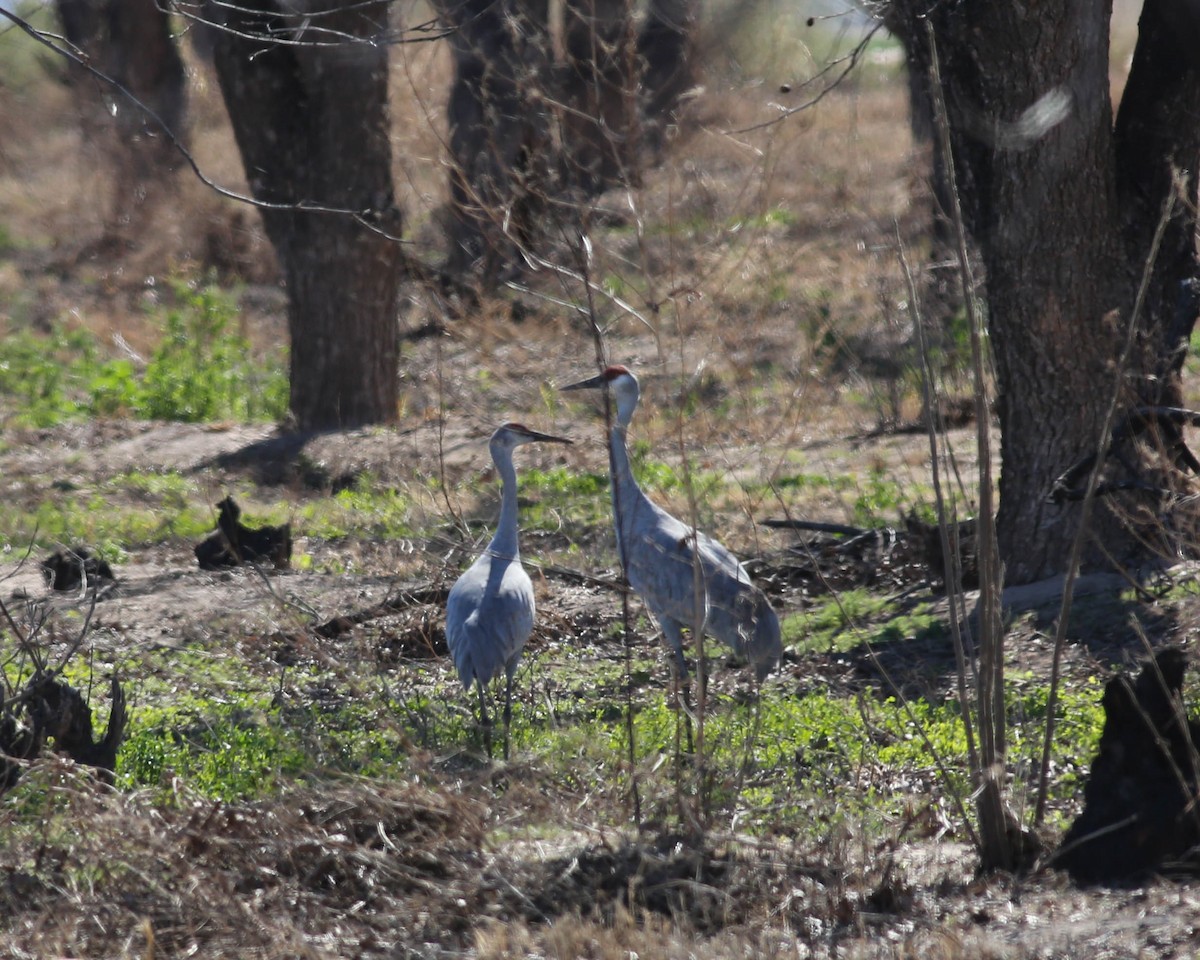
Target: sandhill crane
{"points": [[660, 553], [489, 612]]}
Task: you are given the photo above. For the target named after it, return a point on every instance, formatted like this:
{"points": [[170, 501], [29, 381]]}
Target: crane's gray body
{"points": [[685, 578], [490, 609], [489, 616]]}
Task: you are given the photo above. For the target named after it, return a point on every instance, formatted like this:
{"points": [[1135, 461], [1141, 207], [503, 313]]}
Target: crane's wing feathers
{"points": [[662, 569], [664, 553], [489, 616]]}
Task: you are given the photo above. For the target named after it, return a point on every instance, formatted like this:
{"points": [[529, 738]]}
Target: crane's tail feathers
{"points": [[764, 645]]}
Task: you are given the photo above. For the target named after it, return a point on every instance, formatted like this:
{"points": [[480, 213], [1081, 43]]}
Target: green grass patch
{"points": [[839, 623], [874, 501], [203, 369], [233, 730], [141, 508], [253, 746], [128, 510], [563, 499], [364, 510], [97, 520], [658, 476], [772, 764], [227, 751]]}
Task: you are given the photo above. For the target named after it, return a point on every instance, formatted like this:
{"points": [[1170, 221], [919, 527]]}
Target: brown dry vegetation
{"points": [[779, 345]]}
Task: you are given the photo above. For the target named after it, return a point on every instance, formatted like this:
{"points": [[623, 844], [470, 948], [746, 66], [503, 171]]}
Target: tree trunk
{"points": [[536, 130], [1157, 139], [497, 120], [311, 122], [599, 89], [1063, 209]]}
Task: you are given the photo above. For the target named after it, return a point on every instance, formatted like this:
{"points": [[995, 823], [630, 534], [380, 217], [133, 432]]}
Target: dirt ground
{"points": [[434, 872], [780, 314]]}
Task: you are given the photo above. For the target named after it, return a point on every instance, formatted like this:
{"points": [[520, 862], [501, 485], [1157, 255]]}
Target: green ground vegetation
{"points": [[202, 369]]}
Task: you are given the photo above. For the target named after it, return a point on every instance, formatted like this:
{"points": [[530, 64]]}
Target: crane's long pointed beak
{"points": [[546, 437], [592, 383]]}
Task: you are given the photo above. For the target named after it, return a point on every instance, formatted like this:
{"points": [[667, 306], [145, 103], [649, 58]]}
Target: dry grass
{"points": [[325, 872], [368, 869], [765, 261]]}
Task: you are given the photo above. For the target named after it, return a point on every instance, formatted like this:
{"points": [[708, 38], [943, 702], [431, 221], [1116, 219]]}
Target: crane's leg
{"points": [[508, 685], [485, 721], [679, 676]]}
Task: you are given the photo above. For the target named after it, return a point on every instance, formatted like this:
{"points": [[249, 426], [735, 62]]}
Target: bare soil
{"points": [[772, 351], [448, 868]]}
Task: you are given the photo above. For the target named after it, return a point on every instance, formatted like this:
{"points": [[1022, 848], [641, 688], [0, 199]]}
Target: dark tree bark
{"points": [[620, 85], [598, 90], [1063, 204], [498, 131], [310, 115], [533, 132], [130, 42]]}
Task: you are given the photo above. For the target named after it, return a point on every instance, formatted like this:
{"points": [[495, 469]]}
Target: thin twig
{"points": [[583, 253], [950, 556], [995, 849]]}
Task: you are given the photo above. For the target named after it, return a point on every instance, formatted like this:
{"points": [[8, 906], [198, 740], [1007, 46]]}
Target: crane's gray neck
{"points": [[504, 542], [626, 493]]}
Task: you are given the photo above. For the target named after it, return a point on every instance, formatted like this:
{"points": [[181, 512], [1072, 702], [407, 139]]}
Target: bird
{"points": [[660, 553], [490, 608]]}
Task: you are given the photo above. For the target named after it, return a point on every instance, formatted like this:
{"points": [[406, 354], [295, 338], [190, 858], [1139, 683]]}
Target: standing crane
{"points": [[489, 613], [684, 577]]}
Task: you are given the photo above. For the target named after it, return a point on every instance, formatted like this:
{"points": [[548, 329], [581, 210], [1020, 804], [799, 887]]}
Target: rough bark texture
{"points": [[1063, 207], [311, 121], [1158, 138], [542, 118], [497, 120]]}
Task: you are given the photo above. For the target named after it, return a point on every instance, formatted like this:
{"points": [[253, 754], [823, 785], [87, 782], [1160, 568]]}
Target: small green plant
{"points": [[560, 496], [41, 375], [363, 509], [616, 285], [231, 753], [665, 478], [202, 369], [839, 623], [878, 504], [775, 217], [250, 744]]}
